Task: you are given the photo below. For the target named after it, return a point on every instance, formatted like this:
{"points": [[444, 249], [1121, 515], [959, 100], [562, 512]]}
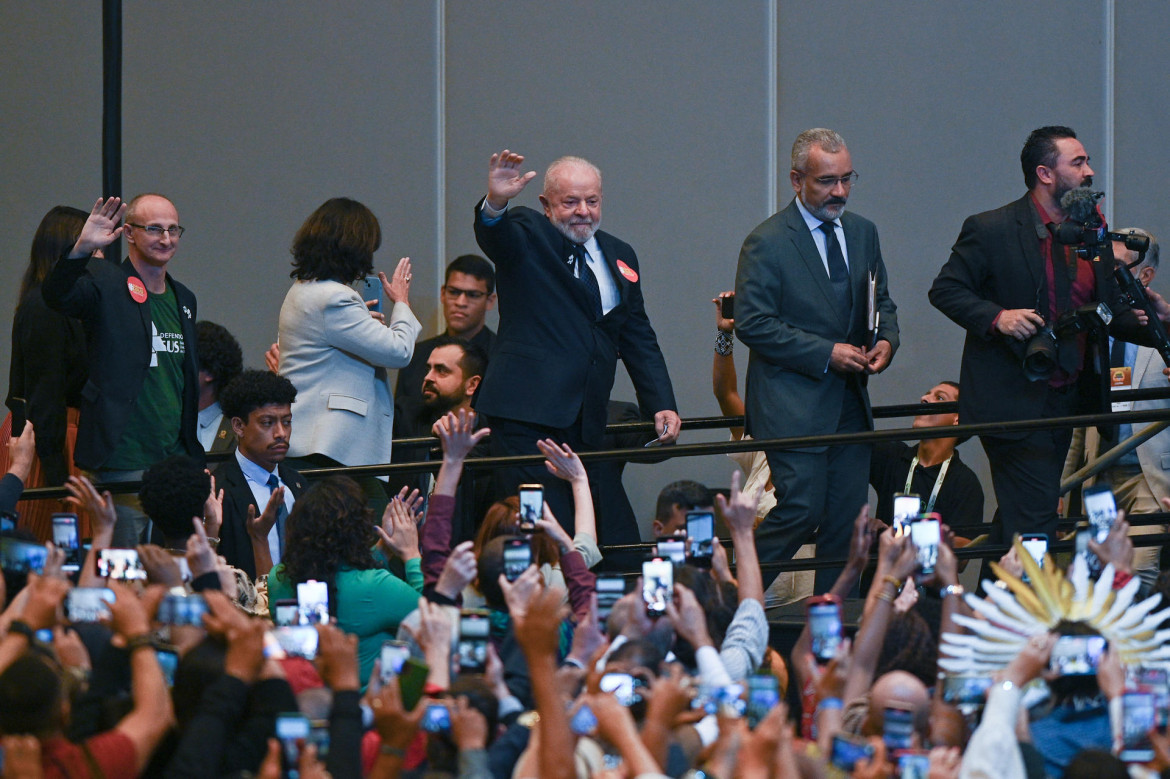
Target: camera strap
{"points": [[1063, 272], [938, 480]]}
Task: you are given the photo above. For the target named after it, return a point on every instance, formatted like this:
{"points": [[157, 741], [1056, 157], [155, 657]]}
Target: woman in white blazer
{"points": [[334, 350]]}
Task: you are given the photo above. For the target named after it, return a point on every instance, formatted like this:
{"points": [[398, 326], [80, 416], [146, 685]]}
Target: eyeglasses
{"points": [[154, 231], [472, 294], [829, 182]]}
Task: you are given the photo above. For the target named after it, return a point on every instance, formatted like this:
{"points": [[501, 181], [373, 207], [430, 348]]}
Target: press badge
{"points": [[1121, 379]]}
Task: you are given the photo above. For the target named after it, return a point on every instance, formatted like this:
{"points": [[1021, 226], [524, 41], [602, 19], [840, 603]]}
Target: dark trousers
{"points": [[818, 495], [1025, 473], [511, 437]]}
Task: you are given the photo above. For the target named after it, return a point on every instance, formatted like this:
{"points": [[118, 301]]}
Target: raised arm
{"points": [[564, 463], [724, 382]]}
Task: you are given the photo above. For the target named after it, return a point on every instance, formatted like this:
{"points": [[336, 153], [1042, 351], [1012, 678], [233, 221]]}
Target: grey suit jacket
{"points": [[337, 357], [1154, 454], [786, 313]]}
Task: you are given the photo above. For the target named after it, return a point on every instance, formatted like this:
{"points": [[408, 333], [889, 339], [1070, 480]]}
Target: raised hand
{"points": [[397, 288], [561, 461], [398, 530], [457, 434], [722, 323], [260, 526], [505, 181], [102, 228], [101, 507], [213, 509]]}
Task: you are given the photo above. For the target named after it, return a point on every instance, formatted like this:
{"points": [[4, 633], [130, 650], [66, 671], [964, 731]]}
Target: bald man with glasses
{"points": [[141, 402]]}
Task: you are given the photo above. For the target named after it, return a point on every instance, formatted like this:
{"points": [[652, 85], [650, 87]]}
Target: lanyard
{"points": [[942, 474]]}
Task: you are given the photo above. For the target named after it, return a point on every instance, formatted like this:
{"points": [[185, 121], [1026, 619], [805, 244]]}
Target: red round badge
{"points": [[630, 274], [137, 289]]}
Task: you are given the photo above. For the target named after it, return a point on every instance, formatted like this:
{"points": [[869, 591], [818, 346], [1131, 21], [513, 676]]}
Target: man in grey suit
{"points": [[802, 305], [1141, 478]]}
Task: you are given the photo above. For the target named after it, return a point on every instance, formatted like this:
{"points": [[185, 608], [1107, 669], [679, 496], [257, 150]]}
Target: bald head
{"points": [[151, 248], [896, 690]]}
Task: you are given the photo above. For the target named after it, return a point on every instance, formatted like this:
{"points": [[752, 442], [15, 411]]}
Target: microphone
{"points": [[1081, 205]]}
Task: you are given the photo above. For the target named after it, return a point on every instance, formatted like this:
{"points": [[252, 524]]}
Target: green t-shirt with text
{"points": [[152, 432]]}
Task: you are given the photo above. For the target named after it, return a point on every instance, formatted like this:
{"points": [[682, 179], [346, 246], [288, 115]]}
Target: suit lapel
{"points": [[1030, 236], [807, 249], [143, 308], [609, 257], [859, 255], [1141, 365]]}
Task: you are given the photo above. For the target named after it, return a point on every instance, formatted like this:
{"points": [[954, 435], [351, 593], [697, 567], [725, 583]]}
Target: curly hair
{"points": [[329, 528], [337, 242], [254, 389], [910, 647], [219, 354], [173, 492], [503, 519]]}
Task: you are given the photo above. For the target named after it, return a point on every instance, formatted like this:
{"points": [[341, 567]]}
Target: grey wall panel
{"points": [[670, 101], [935, 101], [250, 115], [50, 128], [1142, 116]]}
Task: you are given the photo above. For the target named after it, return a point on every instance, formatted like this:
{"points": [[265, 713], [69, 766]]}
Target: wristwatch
{"points": [[951, 589]]}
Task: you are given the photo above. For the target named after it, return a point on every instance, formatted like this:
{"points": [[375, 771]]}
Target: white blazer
{"points": [[337, 357]]}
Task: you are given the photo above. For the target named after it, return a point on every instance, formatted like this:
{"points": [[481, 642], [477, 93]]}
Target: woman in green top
{"points": [[330, 536]]}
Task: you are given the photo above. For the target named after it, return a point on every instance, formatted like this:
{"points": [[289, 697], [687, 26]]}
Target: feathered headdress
{"points": [[1013, 615]]}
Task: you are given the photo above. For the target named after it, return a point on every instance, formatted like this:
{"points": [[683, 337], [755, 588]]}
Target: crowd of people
{"points": [[229, 616]]}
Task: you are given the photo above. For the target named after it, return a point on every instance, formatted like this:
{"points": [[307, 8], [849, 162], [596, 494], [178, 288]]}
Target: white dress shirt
{"points": [[257, 479]]}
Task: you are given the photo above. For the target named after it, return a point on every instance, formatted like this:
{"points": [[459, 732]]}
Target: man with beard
{"points": [[570, 301], [1005, 279], [802, 292]]}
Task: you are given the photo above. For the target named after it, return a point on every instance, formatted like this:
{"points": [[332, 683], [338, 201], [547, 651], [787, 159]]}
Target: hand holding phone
{"points": [[906, 508], [701, 534], [657, 585], [531, 506], [517, 558], [925, 535]]}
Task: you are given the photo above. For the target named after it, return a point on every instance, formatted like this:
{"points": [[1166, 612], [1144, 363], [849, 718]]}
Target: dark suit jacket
{"points": [[118, 332], [994, 265], [787, 314], [234, 543], [552, 361]]}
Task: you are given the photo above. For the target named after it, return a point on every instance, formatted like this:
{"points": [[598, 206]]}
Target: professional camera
{"points": [[1042, 352]]}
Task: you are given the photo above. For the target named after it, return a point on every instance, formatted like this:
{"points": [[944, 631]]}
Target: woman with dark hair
{"points": [[334, 350], [48, 362], [331, 536]]}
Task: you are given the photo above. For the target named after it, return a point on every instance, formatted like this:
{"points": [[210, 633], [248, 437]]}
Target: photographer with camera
{"points": [[1036, 315]]}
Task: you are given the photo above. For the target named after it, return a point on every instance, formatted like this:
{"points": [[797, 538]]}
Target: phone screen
{"points": [[623, 686], [1101, 509], [517, 558], [1037, 545], [474, 629], [19, 408], [286, 613], [701, 531], [1077, 655], [22, 556], [925, 535], [913, 765], [657, 585], [727, 306], [966, 688], [394, 656], [65, 538], [291, 728], [293, 641], [584, 721], [120, 564], [847, 750], [610, 590], [824, 625], [898, 728], [436, 719], [182, 610], [763, 696], [531, 506], [168, 661], [906, 508], [313, 602], [672, 548], [1138, 718], [88, 604]]}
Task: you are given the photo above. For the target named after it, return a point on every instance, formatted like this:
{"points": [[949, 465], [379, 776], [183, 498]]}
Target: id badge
{"points": [[1121, 379]]}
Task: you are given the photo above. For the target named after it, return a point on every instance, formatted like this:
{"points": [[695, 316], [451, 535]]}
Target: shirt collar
{"points": [[211, 414], [252, 471], [813, 222]]}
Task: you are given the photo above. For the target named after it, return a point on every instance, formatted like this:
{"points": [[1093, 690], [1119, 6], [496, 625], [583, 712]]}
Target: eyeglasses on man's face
{"points": [[156, 231]]}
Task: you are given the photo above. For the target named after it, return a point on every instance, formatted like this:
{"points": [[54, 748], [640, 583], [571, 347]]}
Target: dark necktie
{"points": [[586, 277], [1112, 433], [1117, 354], [281, 510], [838, 271]]}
